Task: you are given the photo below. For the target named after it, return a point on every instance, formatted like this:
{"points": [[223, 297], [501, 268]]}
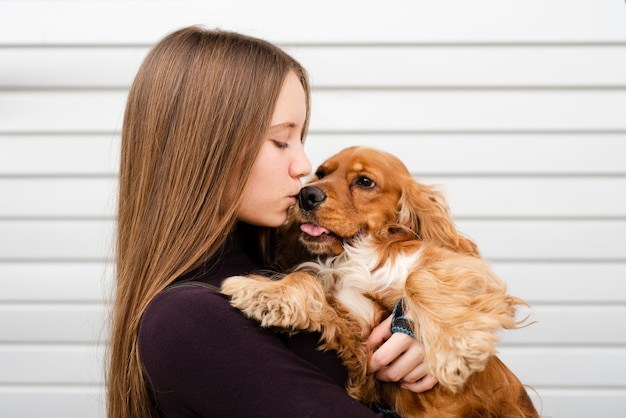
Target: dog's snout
{"points": [[310, 197]]}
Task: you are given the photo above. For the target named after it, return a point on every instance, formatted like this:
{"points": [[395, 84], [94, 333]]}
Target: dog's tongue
{"points": [[313, 230]]}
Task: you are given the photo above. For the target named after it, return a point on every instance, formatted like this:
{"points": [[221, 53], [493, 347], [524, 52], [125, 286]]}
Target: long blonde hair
{"points": [[195, 118]]}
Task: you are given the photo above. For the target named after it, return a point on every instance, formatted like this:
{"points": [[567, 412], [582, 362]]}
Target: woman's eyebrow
{"points": [[284, 125]]}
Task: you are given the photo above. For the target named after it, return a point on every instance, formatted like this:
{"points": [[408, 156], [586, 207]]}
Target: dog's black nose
{"points": [[310, 197]]}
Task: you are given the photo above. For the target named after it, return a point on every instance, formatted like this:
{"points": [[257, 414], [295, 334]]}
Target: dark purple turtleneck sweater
{"points": [[205, 359]]}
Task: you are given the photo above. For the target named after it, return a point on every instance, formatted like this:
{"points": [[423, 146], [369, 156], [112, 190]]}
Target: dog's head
{"points": [[364, 191]]}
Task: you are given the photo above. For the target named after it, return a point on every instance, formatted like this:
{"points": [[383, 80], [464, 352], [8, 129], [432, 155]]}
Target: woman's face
{"points": [[275, 180]]}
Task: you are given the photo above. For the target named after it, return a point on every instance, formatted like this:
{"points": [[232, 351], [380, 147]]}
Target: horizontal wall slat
{"points": [[351, 111], [471, 66], [407, 110], [536, 282], [56, 282], [51, 364], [548, 239], [63, 112], [54, 402], [83, 240], [345, 66], [582, 403], [59, 155], [497, 239], [468, 197], [424, 154], [80, 323], [536, 366], [399, 21], [53, 67], [570, 283], [58, 324], [570, 325], [60, 197], [573, 367], [535, 196]]}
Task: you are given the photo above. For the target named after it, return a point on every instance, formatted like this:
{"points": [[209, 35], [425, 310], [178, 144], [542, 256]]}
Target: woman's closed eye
{"points": [[280, 144]]}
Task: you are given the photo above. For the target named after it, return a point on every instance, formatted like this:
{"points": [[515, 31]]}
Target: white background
{"points": [[517, 108]]}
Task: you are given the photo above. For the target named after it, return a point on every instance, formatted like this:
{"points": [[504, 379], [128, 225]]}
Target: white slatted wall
{"points": [[518, 108]]}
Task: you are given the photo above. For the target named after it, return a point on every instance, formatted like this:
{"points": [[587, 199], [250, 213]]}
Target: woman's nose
{"points": [[301, 165]]}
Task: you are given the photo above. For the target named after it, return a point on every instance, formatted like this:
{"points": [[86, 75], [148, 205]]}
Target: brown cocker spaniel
{"points": [[382, 238]]}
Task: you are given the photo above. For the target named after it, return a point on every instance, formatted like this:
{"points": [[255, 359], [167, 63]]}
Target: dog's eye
{"points": [[320, 174], [365, 182]]}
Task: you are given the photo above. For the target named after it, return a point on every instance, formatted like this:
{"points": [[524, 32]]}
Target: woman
{"points": [[212, 156]]}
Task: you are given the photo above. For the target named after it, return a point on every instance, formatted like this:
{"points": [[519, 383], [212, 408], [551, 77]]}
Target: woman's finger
{"points": [[426, 383]]}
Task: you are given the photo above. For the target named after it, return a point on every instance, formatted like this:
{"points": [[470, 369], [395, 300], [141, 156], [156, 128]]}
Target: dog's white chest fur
{"points": [[356, 273]]}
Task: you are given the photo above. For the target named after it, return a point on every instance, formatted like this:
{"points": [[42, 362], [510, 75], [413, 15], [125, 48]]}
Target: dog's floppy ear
{"points": [[424, 209]]}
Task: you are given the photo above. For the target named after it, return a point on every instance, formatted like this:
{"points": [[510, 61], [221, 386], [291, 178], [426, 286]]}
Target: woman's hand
{"points": [[398, 357]]}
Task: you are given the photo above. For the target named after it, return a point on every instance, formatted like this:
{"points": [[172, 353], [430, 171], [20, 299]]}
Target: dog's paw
{"points": [[267, 301], [252, 296], [454, 359]]}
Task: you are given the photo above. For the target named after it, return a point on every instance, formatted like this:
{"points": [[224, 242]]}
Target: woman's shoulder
{"points": [[184, 300], [190, 316]]}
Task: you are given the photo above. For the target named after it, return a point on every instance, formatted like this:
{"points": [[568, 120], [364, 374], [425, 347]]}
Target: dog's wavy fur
{"points": [[388, 238]]}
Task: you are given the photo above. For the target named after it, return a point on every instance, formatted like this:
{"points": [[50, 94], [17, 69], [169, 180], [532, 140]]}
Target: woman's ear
{"points": [[424, 209]]}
